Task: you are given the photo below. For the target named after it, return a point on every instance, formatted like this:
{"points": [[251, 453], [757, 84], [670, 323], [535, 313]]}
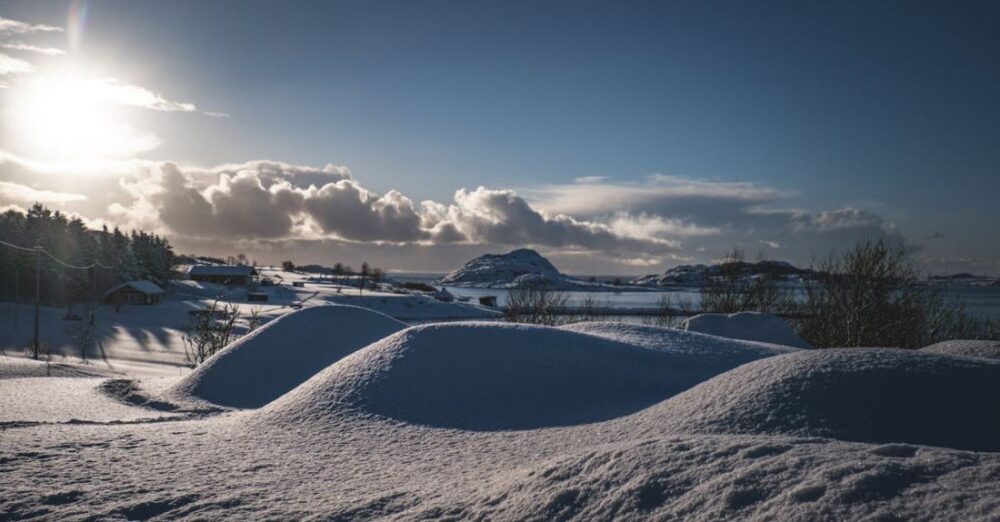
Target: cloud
{"points": [[116, 91], [8, 26], [711, 217], [493, 216], [270, 200], [21, 46], [25, 194], [10, 65], [708, 202]]}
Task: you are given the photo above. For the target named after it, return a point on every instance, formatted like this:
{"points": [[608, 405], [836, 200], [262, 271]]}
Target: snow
{"points": [[16, 367], [870, 395], [585, 422], [147, 340], [268, 362], [985, 349], [750, 326], [487, 376], [35, 400]]}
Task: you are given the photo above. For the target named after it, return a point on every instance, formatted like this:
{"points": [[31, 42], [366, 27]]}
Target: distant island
{"points": [[526, 268]]}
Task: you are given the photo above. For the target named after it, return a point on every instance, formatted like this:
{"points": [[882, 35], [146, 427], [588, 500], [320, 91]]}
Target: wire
{"points": [[17, 247], [96, 263]]}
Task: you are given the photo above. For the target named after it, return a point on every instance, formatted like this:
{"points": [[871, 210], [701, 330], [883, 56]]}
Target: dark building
{"points": [[223, 274], [134, 292]]}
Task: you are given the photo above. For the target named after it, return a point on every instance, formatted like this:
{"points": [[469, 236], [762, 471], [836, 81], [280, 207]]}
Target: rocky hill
{"points": [[696, 275]]}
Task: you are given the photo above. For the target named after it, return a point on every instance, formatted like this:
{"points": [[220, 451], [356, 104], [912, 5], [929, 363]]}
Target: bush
{"points": [[210, 331], [871, 296], [535, 306], [733, 289]]}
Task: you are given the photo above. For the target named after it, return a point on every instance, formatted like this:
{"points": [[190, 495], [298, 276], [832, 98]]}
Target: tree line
{"points": [[133, 255]]}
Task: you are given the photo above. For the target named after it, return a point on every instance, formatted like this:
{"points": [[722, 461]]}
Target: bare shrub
{"points": [[590, 308], [535, 306], [670, 312], [733, 289], [871, 296], [210, 331]]}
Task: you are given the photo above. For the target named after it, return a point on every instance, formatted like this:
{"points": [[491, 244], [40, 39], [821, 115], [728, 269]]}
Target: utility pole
{"points": [[17, 300], [38, 299]]}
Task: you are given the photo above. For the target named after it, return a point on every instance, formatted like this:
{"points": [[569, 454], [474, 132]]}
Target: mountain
{"points": [[513, 269], [521, 268]]}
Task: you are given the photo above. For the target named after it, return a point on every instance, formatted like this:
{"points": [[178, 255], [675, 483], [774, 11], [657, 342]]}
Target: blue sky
{"points": [[885, 108]]}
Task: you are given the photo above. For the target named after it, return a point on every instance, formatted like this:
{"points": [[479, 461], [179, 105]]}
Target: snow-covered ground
{"points": [[493, 421], [147, 340]]}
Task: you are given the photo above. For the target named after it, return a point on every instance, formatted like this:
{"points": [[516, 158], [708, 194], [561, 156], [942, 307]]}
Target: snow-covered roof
{"points": [[221, 270], [146, 287]]}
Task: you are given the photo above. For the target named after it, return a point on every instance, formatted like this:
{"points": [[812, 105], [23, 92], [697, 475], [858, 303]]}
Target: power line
{"points": [[96, 263], [17, 247]]}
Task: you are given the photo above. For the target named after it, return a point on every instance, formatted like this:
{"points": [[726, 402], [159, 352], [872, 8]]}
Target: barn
{"points": [[134, 292], [223, 274]]}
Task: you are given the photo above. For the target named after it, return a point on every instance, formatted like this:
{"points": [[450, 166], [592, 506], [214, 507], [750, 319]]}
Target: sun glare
{"points": [[69, 119]]}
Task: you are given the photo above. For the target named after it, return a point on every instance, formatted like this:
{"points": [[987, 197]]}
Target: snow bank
{"points": [[867, 395], [265, 364], [710, 348], [985, 349], [488, 376], [750, 326]]}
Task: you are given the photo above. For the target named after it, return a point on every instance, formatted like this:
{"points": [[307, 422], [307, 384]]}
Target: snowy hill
{"points": [[521, 268]]}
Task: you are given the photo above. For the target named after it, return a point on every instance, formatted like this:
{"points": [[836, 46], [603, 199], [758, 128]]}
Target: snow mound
{"points": [[984, 349], [867, 395], [489, 376], [267, 363], [750, 326]]}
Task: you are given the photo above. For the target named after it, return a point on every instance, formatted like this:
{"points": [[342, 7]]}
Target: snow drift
{"points": [[985, 349], [709, 348], [488, 376], [750, 326], [868, 395], [267, 363]]}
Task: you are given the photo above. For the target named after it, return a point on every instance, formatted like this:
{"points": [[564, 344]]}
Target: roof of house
{"points": [[221, 270], [146, 287]]}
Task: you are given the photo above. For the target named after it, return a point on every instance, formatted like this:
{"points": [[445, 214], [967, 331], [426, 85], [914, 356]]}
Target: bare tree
{"points": [[671, 312], [377, 276], [871, 296], [365, 270], [736, 288], [535, 306]]}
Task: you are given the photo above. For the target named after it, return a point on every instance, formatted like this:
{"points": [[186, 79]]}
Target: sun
{"points": [[69, 118]]}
